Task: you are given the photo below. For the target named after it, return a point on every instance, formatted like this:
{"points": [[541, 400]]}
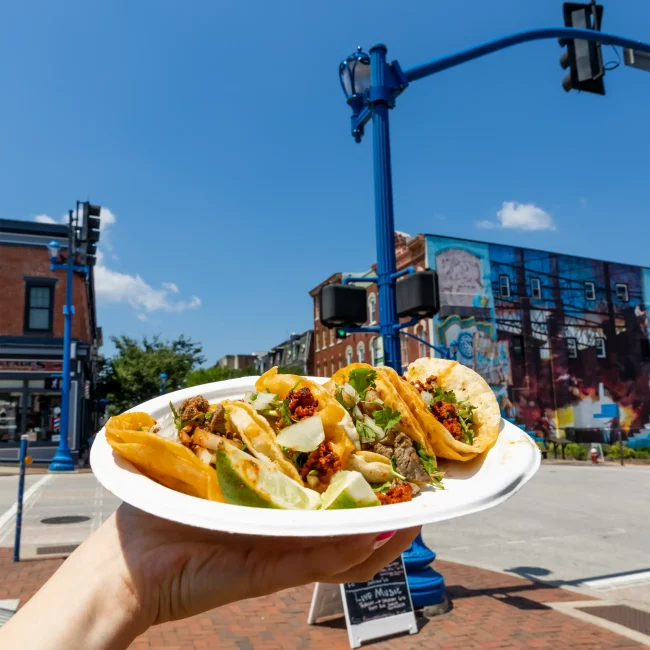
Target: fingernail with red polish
{"points": [[383, 538]]}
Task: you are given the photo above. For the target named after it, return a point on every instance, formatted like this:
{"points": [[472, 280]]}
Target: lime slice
{"points": [[348, 490], [247, 481]]}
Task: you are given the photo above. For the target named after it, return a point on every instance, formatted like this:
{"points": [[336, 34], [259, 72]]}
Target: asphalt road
{"points": [[569, 524]]}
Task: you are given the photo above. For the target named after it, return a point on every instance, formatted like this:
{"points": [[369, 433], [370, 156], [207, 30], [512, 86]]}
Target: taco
{"points": [[454, 404], [314, 432], [134, 437], [394, 450]]}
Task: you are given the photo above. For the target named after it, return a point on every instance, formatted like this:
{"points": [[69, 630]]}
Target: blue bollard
{"points": [[427, 586], [19, 503]]}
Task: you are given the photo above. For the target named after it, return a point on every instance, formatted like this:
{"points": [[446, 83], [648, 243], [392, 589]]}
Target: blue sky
{"points": [[216, 135]]}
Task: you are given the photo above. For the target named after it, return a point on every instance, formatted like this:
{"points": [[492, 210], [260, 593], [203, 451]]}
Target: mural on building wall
{"points": [[555, 336]]}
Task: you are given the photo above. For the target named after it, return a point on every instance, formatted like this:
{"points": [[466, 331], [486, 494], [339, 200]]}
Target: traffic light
{"points": [[583, 58], [342, 304], [417, 294], [90, 223], [340, 333]]}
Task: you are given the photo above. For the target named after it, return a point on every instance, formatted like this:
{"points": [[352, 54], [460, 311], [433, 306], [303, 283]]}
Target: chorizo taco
{"points": [[314, 432], [454, 405], [393, 450]]}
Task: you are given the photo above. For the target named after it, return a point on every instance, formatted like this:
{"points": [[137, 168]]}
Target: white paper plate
{"points": [[469, 487]]}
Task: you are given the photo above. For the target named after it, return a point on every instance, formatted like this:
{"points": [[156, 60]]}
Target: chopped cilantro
{"points": [[338, 393], [464, 412], [285, 413], [140, 429], [386, 418], [361, 379], [208, 415], [442, 395], [178, 422], [393, 468], [252, 397], [313, 472], [429, 464], [366, 434], [382, 487], [297, 458]]}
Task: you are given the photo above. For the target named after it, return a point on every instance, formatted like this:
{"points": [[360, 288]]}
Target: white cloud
{"points": [[116, 287], [44, 218], [520, 216], [170, 286]]}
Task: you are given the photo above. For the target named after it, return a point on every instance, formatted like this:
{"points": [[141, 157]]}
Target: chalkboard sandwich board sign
{"points": [[377, 608]]}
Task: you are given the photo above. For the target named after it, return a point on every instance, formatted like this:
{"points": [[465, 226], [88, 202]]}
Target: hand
{"points": [[138, 570], [176, 571]]}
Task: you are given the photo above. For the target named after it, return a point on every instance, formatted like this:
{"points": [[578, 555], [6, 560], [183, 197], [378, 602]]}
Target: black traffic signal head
{"points": [[417, 294], [583, 58], [90, 222], [342, 304]]}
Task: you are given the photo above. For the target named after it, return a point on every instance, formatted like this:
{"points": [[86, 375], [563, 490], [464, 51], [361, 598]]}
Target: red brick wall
{"points": [[18, 262], [409, 253]]}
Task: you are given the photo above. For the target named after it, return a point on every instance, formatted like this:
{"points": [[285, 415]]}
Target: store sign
{"points": [[30, 365]]}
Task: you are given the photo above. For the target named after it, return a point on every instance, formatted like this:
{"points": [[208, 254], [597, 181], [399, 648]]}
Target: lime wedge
{"points": [[247, 481], [348, 490]]}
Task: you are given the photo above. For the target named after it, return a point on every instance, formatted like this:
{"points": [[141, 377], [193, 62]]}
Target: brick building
{"points": [[296, 352], [331, 353], [31, 343]]}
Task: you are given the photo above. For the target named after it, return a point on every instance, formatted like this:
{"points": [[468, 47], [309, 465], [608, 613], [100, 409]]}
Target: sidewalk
{"points": [[490, 610]]}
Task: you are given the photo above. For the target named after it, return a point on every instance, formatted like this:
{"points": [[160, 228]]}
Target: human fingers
{"points": [[382, 556], [273, 571]]}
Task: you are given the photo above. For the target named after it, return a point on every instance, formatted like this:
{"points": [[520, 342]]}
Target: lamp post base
{"points": [[62, 461], [427, 586]]}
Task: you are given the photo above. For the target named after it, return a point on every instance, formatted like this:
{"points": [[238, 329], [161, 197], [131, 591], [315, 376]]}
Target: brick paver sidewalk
{"points": [[490, 610]]}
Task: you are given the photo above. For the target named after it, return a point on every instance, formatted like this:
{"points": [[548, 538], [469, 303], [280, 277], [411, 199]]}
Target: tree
{"points": [[217, 373], [132, 375]]}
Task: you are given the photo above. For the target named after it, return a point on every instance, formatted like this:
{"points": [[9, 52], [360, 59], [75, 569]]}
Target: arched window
{"points": [[361, 352], [372, 309], [424, 349], [348, 355], [374, 350]]}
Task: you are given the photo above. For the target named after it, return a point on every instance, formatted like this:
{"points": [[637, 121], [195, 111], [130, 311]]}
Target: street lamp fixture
{"points": [[354, 73], [54, 249], [163, 382]]}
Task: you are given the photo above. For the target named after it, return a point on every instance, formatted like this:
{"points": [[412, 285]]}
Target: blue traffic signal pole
{"points": [[62, 460], [387, 81]]}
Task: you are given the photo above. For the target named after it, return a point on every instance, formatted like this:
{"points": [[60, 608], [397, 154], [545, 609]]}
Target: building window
{"points": [[39, 299], [590, 291], [601, 350], [318, 370], [372, 309], [316, 313], [361, 352], [340, 361], [572, 348], [536, 288], [331, 338], [317, 337], [405, 350], [504, 286], [373, 351], [333, 367], [348, 355], [324, 339], [423, 347], [621, 292], [517, 345]]}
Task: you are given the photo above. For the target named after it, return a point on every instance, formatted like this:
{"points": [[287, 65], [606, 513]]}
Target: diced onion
{"points": [[370, 423], [205, 455], [357, 414], [427, 397], [305, 435], [262, 401]]}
